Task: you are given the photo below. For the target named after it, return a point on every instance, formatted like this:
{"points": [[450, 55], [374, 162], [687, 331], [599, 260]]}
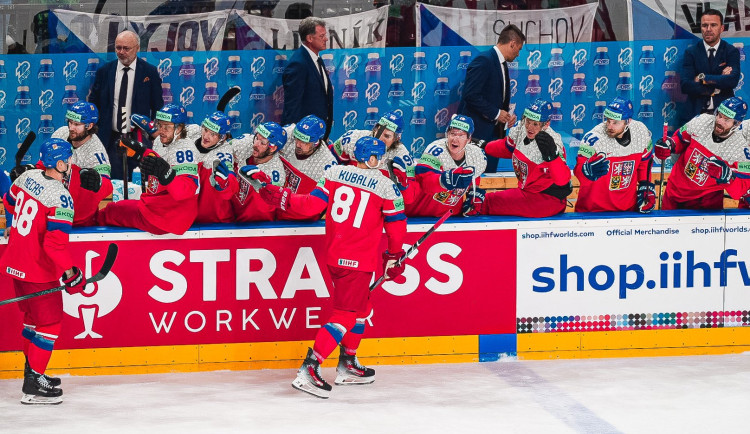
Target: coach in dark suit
{"points": [[122, 87], [710, 69], [307, 87], [486, 93]]}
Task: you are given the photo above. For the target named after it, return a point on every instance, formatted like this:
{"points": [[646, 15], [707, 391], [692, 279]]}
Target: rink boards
{"points": [[253, 296]]}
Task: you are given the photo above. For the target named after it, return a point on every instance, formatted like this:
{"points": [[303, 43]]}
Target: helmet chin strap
{"points": [[174, 138], [367, 163]]}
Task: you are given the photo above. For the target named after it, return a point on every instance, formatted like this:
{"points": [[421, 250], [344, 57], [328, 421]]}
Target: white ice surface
{"points": [[634, 395]]}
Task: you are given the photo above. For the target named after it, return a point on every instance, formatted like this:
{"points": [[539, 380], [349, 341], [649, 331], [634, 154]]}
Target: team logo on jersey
{"points": [[23, 70], [601, 86], [669, 110], [670, 56], [534, 60], [187, 96], [555, 88], [513, 87], [646, 85], [621, 175], [23, 127], [417, 145], [740, 83], [625, 58], [164, 68], [211, 67], [580, 58], [441, 118], [372, 93], [3, 99], [351, 63], [70, 70], [244, 191], [522, 171], [418, 91], [578, 113], [257, 119], [46, 99], [349, 120], [442, 63], [258, 66], [278, 96], [696, 168]]}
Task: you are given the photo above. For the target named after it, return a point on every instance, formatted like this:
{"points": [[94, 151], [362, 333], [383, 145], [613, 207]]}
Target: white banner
{"points": [[439, 26], [736, 16]]}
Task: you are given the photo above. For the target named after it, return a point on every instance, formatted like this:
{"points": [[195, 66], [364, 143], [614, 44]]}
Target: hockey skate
{"points": [[38, 390], [350, 371], [309, 378], [54, 381]]}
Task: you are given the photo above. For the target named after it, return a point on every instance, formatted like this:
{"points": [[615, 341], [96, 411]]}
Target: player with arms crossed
{"points": [[359, 202], [41, 214]]}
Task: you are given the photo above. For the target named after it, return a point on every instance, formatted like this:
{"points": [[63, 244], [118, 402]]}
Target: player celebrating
{"points": [[446, 169], [360, 202], [711, 151], [538, 158], [215, 169], [40, 211], [614, 163], [90, 172], [169, 201]]}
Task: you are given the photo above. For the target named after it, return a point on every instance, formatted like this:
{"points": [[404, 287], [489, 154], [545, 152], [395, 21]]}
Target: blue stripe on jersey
{"points": [[334, 331], [394, 217], [28, 333], [647, 156], [59, 226], [42, 342], [509, 147], [742, 175], [358, 329], [420, 169], [10, 198], [320, 194], [195, 180]]}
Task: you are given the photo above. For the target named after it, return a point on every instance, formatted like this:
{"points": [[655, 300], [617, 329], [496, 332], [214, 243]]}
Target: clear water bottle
{"points": [[463, 60], [23, 98], [645, 112], [46, 73], [556, 62], [373, 68], [647, 58], [45, 128], [166, 93], [328, 62], [598, 115], [533, 88], [187, 69], [234, 71], [372, 117], [3, 74], [234, 115], [395, 93], [69, 97], [211, 94], [137, 176], [279, 64], [624, 85]]}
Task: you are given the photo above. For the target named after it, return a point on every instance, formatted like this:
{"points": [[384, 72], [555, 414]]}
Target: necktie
{"points": [[506, 84], [322, 70], [711, 57], [122, 99]]}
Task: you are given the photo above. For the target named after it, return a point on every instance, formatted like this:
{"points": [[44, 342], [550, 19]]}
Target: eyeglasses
{"points": [[123, 48]]}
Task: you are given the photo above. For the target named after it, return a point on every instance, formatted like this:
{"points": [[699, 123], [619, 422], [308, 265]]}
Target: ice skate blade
{"points": [[342, 380], [40, 400], [305, 386]]}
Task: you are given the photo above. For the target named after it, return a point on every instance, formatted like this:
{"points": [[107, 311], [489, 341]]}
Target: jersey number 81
{"points": [[343, 200]]}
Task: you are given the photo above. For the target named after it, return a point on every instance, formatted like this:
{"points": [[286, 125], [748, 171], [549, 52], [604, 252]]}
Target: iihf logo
{"points": [[513, 87], [669, 110], [441, 118], [578, 113], [23, 126], [23, 70], [534, 60], [3, 99], [187, 96], [350, 120], [580, 58], [211, 67], [278, 96], [625, 58], [443, 62], [164, 68], [257, 119], [372, 93], [258, 66], [670, 57], [46, 99], [351, 63], [601, 86], [70, 70], [555, 88], [418, 91], [646, 85]]}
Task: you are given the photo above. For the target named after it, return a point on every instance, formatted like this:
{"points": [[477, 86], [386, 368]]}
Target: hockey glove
{"points": [[389, 264], [254, 176], [144, 123], [595, 167], [18, 170], [153, 165], [398, 169], [473, 203], [478, 142], [663, 148], [74, 282], [547, 146], [222, 176], [91, 180], [459, 177], [276, 196], [646, 196], [720, 170], [133, 148]]}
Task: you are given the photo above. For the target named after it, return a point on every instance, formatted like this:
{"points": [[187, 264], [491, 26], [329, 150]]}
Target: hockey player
{"points": [[359, 202], [90, 172], [614, 163], [538, 158], [712, 159], [40, 211], [446, 169], [215, 169], [169, 201], [397, 164]]}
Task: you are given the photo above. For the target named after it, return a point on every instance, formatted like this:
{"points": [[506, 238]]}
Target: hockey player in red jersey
{"points": [[215, 170], [90, 172], [40, 214], [169, 201], [446, 169], [712, 159], [359, 202], [538, 158], [614, 163]]}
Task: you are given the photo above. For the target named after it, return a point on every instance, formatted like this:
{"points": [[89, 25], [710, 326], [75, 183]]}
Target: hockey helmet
{"points": [[461, 122], [368, 146], [392, 121], [539, 110], [54, 150], [310, 129], [83, 112], [733, 108], [218, 122], [274, 133], [619, 109], [174, 113]]}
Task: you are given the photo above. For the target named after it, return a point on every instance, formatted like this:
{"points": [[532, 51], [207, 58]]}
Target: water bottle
{"points": [[647, 58], [328, 62], [645, 111], [556, 116], [419, 65], [3, 129], [279, 64], [350, 96], [23, 98], [578, 87], [166, 93], [46, 128], [46, 73], [234, 71], [463, 60], [372, 117], [395, 93], [533, 88], [137, 176], [234, 115], [598, 115], [90, 73], [574, 145], [211, 94], [601, 61], [738, 45], [189, 117], [373, 68], [624, 85], [187, 69], [417, 117], [258, 100], [69, 97], [556, 62], [3, 74], [442, 92]]}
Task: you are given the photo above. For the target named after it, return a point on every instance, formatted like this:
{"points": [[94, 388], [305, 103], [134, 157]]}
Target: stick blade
{"points": [[25, 146], [228, 95]]}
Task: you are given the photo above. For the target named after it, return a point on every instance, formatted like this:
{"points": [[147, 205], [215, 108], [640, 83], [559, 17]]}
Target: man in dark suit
{"points": [[486, 94], [121, 88], [710, 69], [307, 88]]}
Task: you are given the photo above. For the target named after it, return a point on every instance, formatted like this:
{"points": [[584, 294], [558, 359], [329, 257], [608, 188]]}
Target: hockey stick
{"points": [[661, 172], [228, 96], [109, 260], [414, 246], [25, 146]]}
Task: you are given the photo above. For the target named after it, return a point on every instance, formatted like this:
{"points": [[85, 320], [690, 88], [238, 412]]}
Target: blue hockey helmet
{"points": [[310, 129], [619, 109], [218, 122], [539, 110], [733, 108], [392, 121], [461, 122], [368, 146], [54, 150], [174, 113], [275, 134], [83, 112]]}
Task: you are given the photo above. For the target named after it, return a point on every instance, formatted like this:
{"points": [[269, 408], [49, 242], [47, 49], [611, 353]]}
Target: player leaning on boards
{"points": [[40, 214], [359, 202]]}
